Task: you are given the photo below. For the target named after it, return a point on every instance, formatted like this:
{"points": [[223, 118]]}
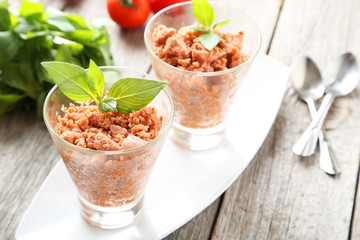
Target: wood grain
{"points": [[283, 196], [355, 227], [279, 196], [27, 155], [199, 227]]}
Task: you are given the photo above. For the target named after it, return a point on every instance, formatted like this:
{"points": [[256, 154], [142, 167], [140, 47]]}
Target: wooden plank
{"points": [[283, 196], [266, 21], [264, 13], [200, 226], [27, 155], [355, 227], [127, 46]]}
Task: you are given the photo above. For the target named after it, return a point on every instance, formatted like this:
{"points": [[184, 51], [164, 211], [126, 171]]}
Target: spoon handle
{"points": [[328, 161], [306, 144]]}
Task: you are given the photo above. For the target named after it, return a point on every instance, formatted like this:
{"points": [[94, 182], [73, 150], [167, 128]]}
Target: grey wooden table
{"points": [[280, 195]]}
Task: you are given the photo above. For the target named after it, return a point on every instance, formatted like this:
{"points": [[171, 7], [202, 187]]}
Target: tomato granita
{"points": [[88, 127], [124, 176], [184, 50], [201, 101]]}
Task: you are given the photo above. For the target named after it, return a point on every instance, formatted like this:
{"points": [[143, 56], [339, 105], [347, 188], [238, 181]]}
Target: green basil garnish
{"points": [[204, 14], [125, 96]]}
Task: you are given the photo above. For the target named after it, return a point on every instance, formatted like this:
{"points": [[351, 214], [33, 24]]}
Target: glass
{"points": [[202, 99], [110, 184]]}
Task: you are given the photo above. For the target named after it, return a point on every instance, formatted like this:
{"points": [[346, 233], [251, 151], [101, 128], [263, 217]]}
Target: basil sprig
{"points": [[125, 96], [204, 14], [34, 33]]}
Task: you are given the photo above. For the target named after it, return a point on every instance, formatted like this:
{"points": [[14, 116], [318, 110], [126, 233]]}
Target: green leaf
{"points": [[132, 94], [9, 98], [75, 47], [96, 80], [200, 29], [221, 23], [108, 105], [9, 45], [21, 76], [5, 21], [203, 12], [29, 8], [84, 37], [27, 39], [27, 25], [39, 105], [60, 22], [13, 21], [71, 79], [77, 22], [4, 4], [63, 54], [209, 40]]}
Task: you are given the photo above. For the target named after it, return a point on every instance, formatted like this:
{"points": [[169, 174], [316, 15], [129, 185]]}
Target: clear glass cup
{"points": [[110, 184], [202, 99]]}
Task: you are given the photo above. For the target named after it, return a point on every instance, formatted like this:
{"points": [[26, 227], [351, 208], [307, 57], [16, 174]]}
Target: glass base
{"points": [[110, 217], [197, 139]]}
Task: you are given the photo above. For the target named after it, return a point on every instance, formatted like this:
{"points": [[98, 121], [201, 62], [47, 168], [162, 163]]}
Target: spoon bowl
{"points": [[307, 82], [306, 78], [342, 75], [345, 76]]}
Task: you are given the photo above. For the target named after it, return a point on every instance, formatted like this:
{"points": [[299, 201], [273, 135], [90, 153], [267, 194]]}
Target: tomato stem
{"points": [[128, 3]]}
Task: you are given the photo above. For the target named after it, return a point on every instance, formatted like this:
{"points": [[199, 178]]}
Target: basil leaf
{"points": [[203, 12], [77, 22], [4, 4], [221, 23], [95, 80], [31, 35], [60, 22], [39, 103], [108, 105], [209, 40], [5, 21], [29, 8], [9, 45], [132, 94], [75, 47], [63, 54], [71, 79], [27, 25], [9, 98], [20, 76], [200, 29], [83, 37], [27, 39]]}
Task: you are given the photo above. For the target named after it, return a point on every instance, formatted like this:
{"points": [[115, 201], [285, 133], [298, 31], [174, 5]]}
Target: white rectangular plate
{"points": [[183, 182]]}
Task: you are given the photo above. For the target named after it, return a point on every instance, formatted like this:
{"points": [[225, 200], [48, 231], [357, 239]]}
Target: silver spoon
{"points": [[307, 82], [343, 77]]}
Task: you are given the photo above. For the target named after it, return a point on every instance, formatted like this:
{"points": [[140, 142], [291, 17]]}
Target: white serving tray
{"points": [[183, 182]]}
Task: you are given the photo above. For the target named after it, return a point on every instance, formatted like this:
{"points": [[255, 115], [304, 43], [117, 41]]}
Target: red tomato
{"points": [[129, 13], [157, 5]]}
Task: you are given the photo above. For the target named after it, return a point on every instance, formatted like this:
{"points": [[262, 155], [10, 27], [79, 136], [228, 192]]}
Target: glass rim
{"points": [[87, 150], [206, 74]]}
